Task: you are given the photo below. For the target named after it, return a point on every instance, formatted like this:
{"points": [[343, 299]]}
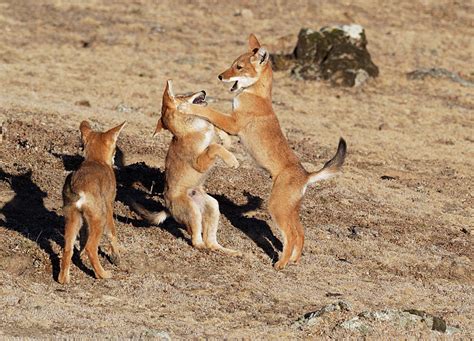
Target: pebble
{"points": [[244, 13]]}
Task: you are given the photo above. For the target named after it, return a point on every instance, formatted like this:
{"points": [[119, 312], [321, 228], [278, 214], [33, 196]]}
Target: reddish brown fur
{"points": [[255, 122], [191, 155], [90, 193]]}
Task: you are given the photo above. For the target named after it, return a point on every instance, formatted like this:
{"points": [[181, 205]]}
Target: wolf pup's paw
{"points": [[280, 265], [232, 161], [64, 277], [104, 275]]}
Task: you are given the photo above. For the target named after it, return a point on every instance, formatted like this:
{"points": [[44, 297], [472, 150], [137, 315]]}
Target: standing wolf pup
{"points": [[255, 122], [191, 155], [90, 193]]}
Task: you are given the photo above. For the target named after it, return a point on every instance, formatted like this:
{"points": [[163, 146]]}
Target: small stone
{"points": [[438, 73], [361, 77], [87, 43], [333, 294], [83, 103], [123, 108], [156, 335], [157, 29], [312, 318], [388, 177], [244, 13], [355, 232]]}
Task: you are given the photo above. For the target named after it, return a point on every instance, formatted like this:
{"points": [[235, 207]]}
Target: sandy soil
{"points": [[375, 242]]}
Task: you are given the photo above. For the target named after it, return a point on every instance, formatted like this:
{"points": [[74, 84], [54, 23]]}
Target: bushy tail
{"points": [[332, 167], [155, 218], [69, 196]]}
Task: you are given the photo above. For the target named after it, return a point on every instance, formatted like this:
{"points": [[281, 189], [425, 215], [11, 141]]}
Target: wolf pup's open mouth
{"points": [[234, 87], [200, 99]]}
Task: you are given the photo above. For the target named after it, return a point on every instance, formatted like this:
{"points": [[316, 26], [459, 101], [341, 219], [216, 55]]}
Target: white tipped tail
{"points": [[332, 167], [155, 218]]}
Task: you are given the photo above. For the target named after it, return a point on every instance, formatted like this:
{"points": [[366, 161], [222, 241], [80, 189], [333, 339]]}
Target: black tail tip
{"points": [[338, 159], [342, 146], [341, 152]]}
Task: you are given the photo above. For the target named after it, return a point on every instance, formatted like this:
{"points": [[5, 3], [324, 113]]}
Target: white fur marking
{"points": [[200, 124], [323, 175], [209, 136], [81, 201], [235, 103], [242, 82]]}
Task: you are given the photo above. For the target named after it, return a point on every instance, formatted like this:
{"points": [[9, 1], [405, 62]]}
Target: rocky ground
{"points": [[389, 249]]}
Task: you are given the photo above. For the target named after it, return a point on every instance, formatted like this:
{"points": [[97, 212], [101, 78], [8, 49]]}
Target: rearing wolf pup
{"points": [[255, 122], [191, 155]]}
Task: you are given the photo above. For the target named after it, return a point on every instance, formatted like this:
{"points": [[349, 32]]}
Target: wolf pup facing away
{"points": [[90, 193], [191, 155], [255, 122]]}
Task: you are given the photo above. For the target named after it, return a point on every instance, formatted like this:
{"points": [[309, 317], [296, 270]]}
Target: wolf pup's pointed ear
{"points": [[260, 57], [168, 94], [169, 88], [263, 55], [85, 129], [253, 42], [115, 131]]}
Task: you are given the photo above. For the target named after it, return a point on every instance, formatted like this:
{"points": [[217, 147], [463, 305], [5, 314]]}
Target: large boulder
{"points": [[335, 53]]}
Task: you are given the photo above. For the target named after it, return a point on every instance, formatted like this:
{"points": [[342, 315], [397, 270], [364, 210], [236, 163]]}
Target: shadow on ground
{"points": [[26, 214], [136, 183], [256, 229]]}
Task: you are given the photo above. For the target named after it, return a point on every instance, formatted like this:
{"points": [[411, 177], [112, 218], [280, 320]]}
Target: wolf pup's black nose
{"points": [[220, 77]]}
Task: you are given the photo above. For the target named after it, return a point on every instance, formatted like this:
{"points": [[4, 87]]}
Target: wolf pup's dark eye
{"points": [[239, 67]]}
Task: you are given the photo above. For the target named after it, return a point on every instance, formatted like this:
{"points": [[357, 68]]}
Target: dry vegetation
{"points": [[398, 242]]}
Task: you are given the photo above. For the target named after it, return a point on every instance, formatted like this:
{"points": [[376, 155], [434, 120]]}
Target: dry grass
{"points": [[410, 250]]}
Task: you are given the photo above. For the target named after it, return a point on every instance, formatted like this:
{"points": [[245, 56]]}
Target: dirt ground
{"points": [[395, 231]]}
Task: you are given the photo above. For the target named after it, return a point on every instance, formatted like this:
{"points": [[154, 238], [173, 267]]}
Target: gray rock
{"points": [[439, 73], [355, 324], [155, 335], [401, 318], [434, 322], [336, 53], [313, 318]]}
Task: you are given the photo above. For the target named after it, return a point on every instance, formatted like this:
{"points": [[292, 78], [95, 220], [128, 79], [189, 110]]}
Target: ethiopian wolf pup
{"points": [[255, 122], [90, 193], [191, 155]]}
